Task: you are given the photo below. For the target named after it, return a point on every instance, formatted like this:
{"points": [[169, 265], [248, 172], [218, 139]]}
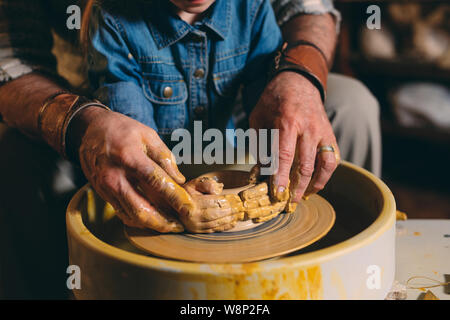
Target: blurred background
{"points": [[406, 65]]}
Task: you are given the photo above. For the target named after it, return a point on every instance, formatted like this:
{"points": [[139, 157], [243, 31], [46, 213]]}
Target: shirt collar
{"points": [[167, 28]]}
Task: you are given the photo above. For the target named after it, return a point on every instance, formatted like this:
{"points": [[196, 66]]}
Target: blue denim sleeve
{"points": [[266, 40], [114, 72]]}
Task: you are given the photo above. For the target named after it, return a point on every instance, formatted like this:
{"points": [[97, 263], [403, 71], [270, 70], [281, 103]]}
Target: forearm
{"points": [[21, 99], [319, 29]]}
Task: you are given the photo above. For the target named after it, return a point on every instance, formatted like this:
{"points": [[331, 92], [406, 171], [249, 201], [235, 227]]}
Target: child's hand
{"points": [[203, 185], [215, 212]]}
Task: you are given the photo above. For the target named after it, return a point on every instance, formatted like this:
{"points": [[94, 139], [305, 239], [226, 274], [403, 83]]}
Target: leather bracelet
{"points": [[79, 106], [306, 59], [291, 45], [54, 118], [46, 103]]}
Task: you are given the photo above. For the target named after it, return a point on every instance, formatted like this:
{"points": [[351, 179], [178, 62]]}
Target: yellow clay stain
{"points": [[314, 277], [417, 233], [249, 281], [270, 289], [250, 267], [302, 286]]}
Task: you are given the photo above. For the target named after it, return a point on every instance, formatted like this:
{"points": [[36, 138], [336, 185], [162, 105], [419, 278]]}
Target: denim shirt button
{"points": [[167, 92], [199, 73]]}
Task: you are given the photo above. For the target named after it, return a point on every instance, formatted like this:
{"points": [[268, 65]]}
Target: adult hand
{"points": [[131, 168], [292, 104]]}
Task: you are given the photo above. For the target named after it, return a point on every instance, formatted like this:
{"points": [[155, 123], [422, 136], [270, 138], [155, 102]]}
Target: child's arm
{"points": [[266, 40], [114, 72]]}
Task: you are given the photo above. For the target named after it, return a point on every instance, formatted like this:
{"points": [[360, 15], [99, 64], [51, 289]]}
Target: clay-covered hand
{"points": [[258, 205], [203, 185], [293, 105], [214, 212], [131, 168], [275, 195]]}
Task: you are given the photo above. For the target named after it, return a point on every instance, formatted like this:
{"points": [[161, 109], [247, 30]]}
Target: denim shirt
{"points": [[150, 65]]}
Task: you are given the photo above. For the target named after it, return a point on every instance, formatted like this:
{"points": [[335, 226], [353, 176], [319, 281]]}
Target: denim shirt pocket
{"points": [[168, 94]]}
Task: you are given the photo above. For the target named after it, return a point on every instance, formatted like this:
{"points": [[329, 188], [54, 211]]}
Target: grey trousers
{"points": [[36, 186]]}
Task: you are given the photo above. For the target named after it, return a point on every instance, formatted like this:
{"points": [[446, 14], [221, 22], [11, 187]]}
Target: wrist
{"points": [[56, 115], [77, 127], [299, 86], [305, 59]]}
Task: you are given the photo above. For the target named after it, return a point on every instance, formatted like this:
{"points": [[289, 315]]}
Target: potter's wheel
{"points": [[284, 234], [363, 235]]}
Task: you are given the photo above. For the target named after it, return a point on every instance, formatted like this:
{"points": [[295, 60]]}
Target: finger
{"points": [[263, 201], [235, 202], [325, 166], [224, 227], [210, 201], [233, 207], [158, 152], [266, 211], [228, 220], [287, 145], [211, 214], [254, 192], [116, 208], [132, 207], [155, 181], [144, 214], [127, 221], [276, 194], [303, 168], [204, 185]]}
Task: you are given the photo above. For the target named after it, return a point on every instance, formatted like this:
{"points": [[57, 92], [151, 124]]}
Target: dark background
{"points": [[415, 160]]}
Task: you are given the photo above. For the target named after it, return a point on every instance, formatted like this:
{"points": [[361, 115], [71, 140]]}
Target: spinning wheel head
{"points": [[282, 235]]}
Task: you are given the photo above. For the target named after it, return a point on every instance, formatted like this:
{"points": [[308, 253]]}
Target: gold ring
{"points": [[325, 149]]}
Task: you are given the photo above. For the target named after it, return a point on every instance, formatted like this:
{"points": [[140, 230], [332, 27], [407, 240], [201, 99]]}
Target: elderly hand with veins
{"points": [[131, 168], [292, 104]]}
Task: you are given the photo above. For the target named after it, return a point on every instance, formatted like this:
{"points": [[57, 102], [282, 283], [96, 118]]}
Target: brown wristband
{"points": [[55, 116], [305, 59]]}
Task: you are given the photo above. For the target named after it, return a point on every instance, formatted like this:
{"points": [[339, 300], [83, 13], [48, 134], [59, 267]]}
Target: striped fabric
{"points": [[26, 28], [286, 9]]}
